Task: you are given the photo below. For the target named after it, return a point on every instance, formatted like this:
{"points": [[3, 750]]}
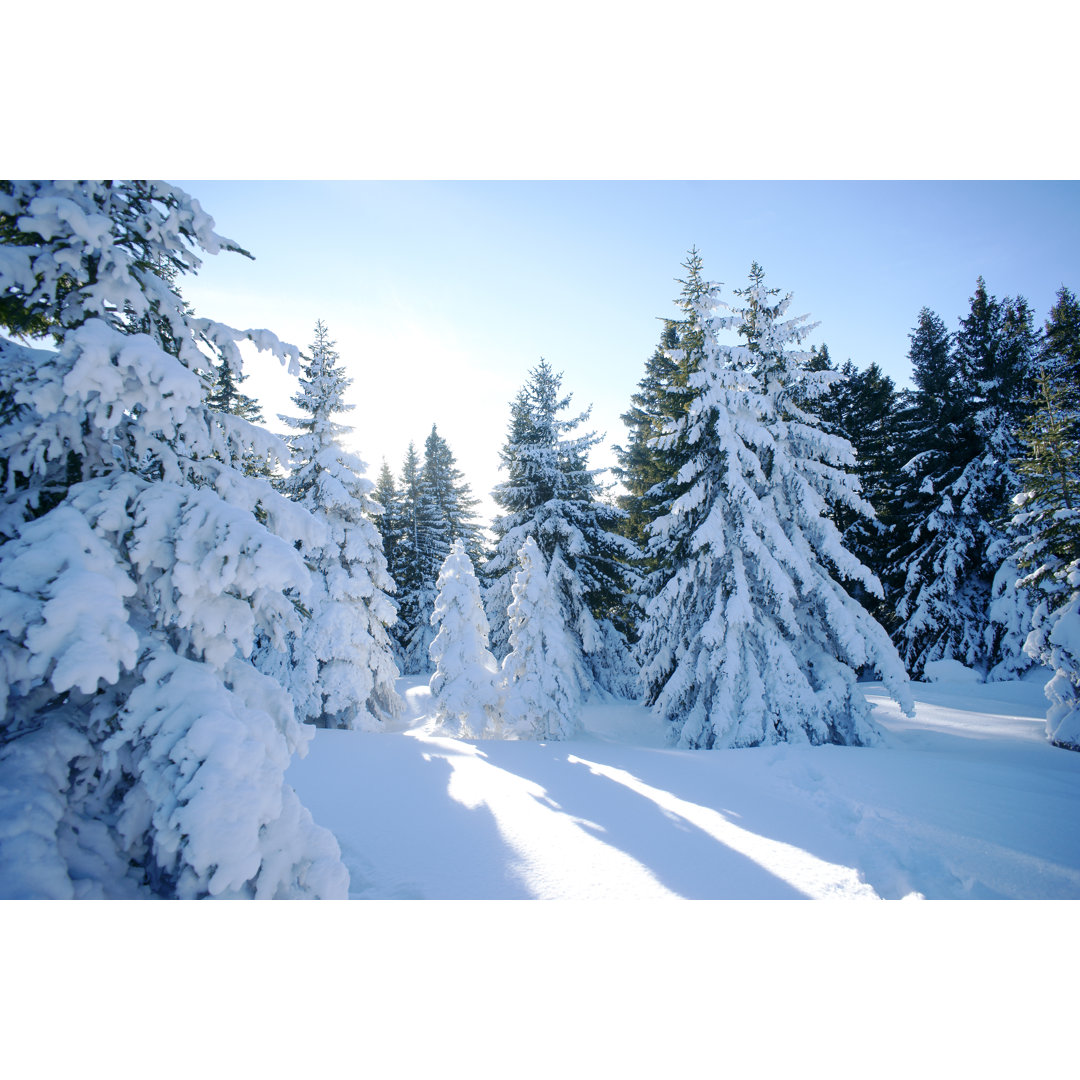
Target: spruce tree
{"points": [[389, 522], [465, 695], [551, 495], [1009, 402], [650, 464], [340, 665], [752, 639], [958, 482], [444, 486], [544, 677], [1047, 523], [435, 510], [226, 397], [861, 408], [135, 577], [412, 599]]}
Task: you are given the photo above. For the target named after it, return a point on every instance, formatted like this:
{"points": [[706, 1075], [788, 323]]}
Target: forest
{"points": [[185, 597]]}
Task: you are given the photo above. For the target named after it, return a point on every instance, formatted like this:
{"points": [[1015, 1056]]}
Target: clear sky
{"points": [[442, 295]]}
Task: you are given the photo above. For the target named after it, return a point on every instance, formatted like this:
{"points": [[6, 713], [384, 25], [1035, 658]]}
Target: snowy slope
{"points": [[966, 800]]}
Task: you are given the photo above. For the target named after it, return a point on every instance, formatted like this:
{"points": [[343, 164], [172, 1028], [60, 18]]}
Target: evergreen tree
{"points": [[861, 408], [340, 665], [412, 598], [751, 638], [389, 523], [226, 397], [545, 678], [958, 482], [135, 578], [444, 489], [552, 496], [466, 700], [435, 509], [1009, 395], [1047, 523], [649, 466]]}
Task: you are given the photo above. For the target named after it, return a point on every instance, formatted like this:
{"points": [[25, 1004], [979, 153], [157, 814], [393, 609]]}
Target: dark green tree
{"points": [[411, 599], [389, 522], [861, 408], [551, 495], [956, 488], [656, 449], [1050, 437], [1048, 521]]}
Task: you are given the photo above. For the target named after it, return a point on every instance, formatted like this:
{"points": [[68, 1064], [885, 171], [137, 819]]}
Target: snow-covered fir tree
{"points": [[389, 520], [861, 408], [404, 564], [545, 679], [958, 482], [225, 396], [465, 695], [434, 508], [444, 487], [1009, 401], [141, 752], [339, 666], [1047, 522], [930, 422], [648, 468], [551, 496], [752, 638]]}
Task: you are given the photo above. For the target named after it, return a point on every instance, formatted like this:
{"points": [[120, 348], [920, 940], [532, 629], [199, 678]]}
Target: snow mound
{"points": [[950, 671]]}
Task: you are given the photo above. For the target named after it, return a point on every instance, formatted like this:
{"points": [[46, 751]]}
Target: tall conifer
{"points": [[752, 639], [551, 495], [340, 666]]}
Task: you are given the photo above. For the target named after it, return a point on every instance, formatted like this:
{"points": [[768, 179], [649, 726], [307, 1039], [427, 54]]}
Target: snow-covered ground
{"points": [[966, 800]]}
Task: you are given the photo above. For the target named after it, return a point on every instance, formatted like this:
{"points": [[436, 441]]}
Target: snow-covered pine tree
{"points": [[141, 753], [664, 395], [406, 566], [752, 639], [389, 521], [340, 665], [861, 407], [435, 509], [465, 693], [444, 489], [958, 481], [929, 423], [1047, 522], [1008, 406], [544, 676], [552, 496], [225, 396], [442, 513]]}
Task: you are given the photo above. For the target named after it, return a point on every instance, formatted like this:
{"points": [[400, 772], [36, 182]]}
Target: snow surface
{"points": [[965, 800]]}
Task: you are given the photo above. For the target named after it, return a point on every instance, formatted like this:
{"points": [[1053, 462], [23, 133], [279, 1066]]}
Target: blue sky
{"points": [[442, 295]]}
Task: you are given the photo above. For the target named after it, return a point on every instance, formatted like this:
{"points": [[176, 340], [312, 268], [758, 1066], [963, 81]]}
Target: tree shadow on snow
{"points": [[402, 836], [682, 854]]}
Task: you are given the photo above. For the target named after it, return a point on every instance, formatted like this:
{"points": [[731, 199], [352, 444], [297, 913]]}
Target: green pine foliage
{"points": [[861, 407], [424, 512], [551, 495], [226, 397], [959, 431], [1048, 519], [1050, 436], [650, 463], [389, 522]]}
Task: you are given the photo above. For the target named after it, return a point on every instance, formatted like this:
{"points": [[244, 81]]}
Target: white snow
{"points": [[964, 800], [949, 671]]}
